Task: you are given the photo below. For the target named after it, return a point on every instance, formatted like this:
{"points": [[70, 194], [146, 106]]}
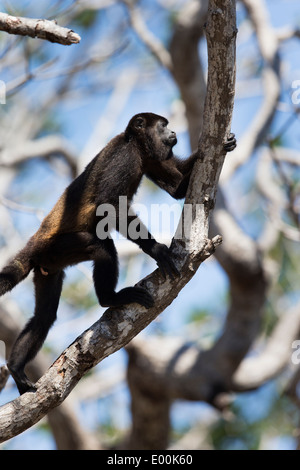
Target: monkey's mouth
{"points": [[173, 140]]}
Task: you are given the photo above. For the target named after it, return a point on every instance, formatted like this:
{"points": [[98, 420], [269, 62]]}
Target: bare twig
{"points": [[43, 147], [257, 370], [151, 41], [36, 28], [268, 46], [286, 33], [289, 187], [277, 200], [187, 66], [20, 208]]}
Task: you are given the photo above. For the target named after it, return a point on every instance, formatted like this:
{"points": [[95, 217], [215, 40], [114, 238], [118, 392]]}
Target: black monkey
{"points": [[67, 235]]}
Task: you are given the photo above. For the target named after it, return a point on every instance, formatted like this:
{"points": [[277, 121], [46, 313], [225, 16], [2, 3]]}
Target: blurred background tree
{"points": [[218, 369]]}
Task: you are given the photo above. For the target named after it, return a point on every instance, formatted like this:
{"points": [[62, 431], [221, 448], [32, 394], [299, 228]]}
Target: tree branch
{"points": [[36, 28], [42, 147], [118, 326], [187, 65], [257, 370], [150, 41], [269, 49]]}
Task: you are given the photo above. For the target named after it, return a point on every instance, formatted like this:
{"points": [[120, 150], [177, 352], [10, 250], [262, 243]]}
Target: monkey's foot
{"points": [[129, 295], [139, 295], [22, 382]]}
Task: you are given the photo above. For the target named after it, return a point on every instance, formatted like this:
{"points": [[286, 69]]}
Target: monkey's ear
{"points": [[139, 123], [136, 124]]}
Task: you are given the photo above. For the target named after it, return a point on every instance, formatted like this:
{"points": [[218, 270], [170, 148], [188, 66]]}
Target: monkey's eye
{"points": [[139, 123]]}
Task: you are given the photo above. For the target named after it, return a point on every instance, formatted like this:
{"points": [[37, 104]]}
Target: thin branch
{"points": [[150, 41], [20, 208], [277, 200], [42, 147], [286, 33], [268, 47], [183, 60], [36, 28], [257, 370], [187, 65], [289, 187]]}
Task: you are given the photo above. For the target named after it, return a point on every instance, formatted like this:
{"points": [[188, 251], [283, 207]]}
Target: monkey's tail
{"points": [[15, 271]]}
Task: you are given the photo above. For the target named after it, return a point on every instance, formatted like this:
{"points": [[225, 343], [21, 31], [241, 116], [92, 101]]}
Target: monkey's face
{"points": [[153, 135], [161, 140], [166, 136]]}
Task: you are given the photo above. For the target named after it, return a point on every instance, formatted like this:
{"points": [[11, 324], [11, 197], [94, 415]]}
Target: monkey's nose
{"points": [[173, 137]]}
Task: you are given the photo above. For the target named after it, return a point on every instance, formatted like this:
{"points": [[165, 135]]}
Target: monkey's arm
{"points": [[134, 230], [173, 175], [185, 167]]}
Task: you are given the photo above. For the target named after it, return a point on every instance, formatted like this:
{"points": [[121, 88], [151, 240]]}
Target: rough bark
{"points": [[36, 28], [269, 49]]}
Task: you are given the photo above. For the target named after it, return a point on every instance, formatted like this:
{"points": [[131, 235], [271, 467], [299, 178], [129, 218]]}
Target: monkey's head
{"points": [[152, 134]]}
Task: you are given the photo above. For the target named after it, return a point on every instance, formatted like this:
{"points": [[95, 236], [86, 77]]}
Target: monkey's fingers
{"points": [[167, 266], [161, 254], [23, 383], [230, 143]]}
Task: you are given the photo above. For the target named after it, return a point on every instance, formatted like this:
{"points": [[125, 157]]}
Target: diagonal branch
{"points": [[150, 41], [118, 326], [35, 28]]}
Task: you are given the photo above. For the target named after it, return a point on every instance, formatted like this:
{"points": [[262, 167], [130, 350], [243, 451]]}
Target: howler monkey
{"points": [[67, 235]]}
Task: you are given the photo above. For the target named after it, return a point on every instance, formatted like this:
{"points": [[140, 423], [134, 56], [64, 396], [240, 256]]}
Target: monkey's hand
{"points": [[161, 254], [230, 144]]}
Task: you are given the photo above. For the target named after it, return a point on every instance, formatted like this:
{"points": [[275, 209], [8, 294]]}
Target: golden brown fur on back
{"points": [[63, 219]]}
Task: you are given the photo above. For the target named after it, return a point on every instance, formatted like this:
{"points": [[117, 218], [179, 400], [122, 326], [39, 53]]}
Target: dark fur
{"points": [[67, 235]]}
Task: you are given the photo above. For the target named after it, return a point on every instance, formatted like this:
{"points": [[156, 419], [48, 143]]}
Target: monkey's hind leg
{"points": [[47, 292], [106, 276]]}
